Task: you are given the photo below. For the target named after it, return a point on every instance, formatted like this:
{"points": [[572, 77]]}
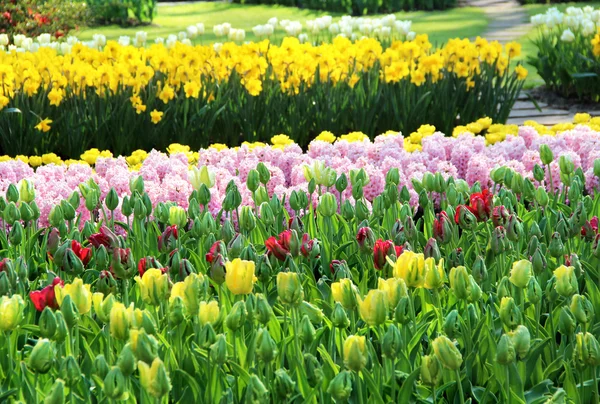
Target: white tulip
{"points": [[567, 36], [99, 39], [303, 38], [192, 31], [159, 40], [141, 37], [226, 28], [124, 40], [273, 21], [200, 27], [217, 46], [44, 38], [18, 39], [334, 29], [3, 39]]}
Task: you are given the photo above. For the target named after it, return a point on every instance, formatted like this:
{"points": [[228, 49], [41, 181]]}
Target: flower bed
{"points": [[123, 98], [383, 281], [567, 51]]}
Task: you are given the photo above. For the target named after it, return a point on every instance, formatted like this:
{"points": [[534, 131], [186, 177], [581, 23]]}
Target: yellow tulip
{"points": [[119, 321], [209, 312], [520, 273], [80, 294], [103, 306], [374, 309], [434, 274], [239, 276], [410, 266], [11, 312], [154, 286], [355, 352], [154, 379], [189, 291], [394, 289], [289, 288], [566, 281], [345, 292]]}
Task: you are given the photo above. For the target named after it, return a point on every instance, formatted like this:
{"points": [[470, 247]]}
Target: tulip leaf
{"points": [[192, 383], [534, 356], [406, 391]]}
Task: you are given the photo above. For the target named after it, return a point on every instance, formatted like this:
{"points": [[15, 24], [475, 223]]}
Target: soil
{"points": [[543, 94]]}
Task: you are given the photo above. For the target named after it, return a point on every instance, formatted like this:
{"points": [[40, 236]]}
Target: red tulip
{"points": [[84, 254], [280, 248], [441, 228], [146, 263], [167, 239], [381, 250], [481, 205], [104, 237], [217, 248], [500, 216], [46, 297]]}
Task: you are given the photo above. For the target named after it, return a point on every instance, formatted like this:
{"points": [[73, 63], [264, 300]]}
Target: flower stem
{"points": [[359, 388], [460, 388], [507, 384]]}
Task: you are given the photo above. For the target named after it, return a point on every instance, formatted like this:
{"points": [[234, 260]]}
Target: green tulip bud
{"points": [[546, 154], [47, 323], [509, 313], [479, 270], [402, 311], [521, 340], [314, 371], [392, 342], [15, 236], [247, 219], [340, 386], [61, 327], [447, 353], [5, 287], [266, 348], [451, 325], [236, 317], [126, 206], [459, 282], [521, 273], [534, 291], [284, 385], [253, 180], [256, 392], [26, 212], [70, 371], [264, 173], [539, 262], [556, 247], [263, 310], [431, 370], [69, 311], [12, 193], [35, 211], [541, 197], [41, 357], [327, 206], [339, 318], [307, 331], [100, 367], [207, 336], [218, 350], [56, 394], [566, 165], [505, 352], [12, 214], [115, 387], [112, 199], [145, 347], [582, 309]]}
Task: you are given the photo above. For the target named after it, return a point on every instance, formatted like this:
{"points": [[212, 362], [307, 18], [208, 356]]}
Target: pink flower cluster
{"points": [[166, 177]]}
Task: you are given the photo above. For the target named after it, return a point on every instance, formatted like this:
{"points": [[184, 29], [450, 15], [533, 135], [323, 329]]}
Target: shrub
{"points": [[123, 12], [565, 56], [360, 7], [34, 17]]}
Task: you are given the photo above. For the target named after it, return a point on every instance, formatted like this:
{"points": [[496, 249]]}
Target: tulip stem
{"points": [[476, 242], [394, 381], [460, 388], [507, 383], [434, 393], [10, 355], [594, 372], [359, 388], [208, 371]]}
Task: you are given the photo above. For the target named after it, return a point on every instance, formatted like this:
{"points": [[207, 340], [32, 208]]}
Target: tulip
{"points": [[566, 282], [41, 357], [115, 386], [154, 379], [328, 205], [345, 292], [56, 394], [178, 217], [119, 321], [236, 317], [314, 370], [189, 292], [447, 353], [266, 348], [521, 340], [382, 250], [430, 370], [442, 228], [289, 288], [340, 387], [394, 289], [391, 343], [256, 392], [546, 154], [283, 384], [46, 297], [410, 267], [70, 371], [459, 282], [509, 313], [432, 250], [355, 353], [239, 276], [582, 309], [79, 293], [47, 323], [465, 218], [154, 286], [520, 273], [144, 346], [534, 291], [434, 274], [208, 313], [374, 309], [218, 350], [366, 239], [201, 176], [505, 352]]}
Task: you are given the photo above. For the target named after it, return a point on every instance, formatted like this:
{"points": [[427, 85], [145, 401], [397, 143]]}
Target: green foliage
{"points": [[123, 12]]}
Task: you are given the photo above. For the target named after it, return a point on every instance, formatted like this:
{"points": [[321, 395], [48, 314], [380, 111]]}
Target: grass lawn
{"points": [[440, 25], [529, 48]]}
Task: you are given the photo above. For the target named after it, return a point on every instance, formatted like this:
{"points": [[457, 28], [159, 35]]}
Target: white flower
{"points": [[411, 36], [12, 48], [365, 28], [403, 27], [303, 38], [258, 30], [181, 35], [218, 30], [268, 29], [65, 48], [141, 37], [187, 41], [192, 31], [334, 28], [159, 40], [200, 27], [567, 36], [538, 19], [572, 21], [72, 40], [26, 43], [273, 21], [124, 40], [217, 46], [588, 28], [386, 32], [226, 27], [284, 23], [588, 9], [18, 39], [99, 40], [44, 38], [3, 39], [34, 46]]}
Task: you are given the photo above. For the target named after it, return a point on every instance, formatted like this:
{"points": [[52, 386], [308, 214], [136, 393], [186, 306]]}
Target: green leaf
{"points": [[406, 391]]}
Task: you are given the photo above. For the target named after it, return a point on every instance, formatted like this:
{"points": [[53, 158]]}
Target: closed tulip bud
{"points": [[56, 394], [355, 353], [263, 311], [144, 346], [434, 273], [289, 288], [236, 317], [136, 184], [582, 309], [586, 352], [521, 340], [340, 386], [447, 353], [154, 286], [339, 318], [505, 352], [327, 206], [361, 210], [207, 336], [236, 245], [459, 282], [5, 286], [314, 371], [521, 273], [534, 291], [61, 327], [479, 270], [516, 184], [566, 165], [366, 239], [451, 324], [256, 392], [11, 312], [41, 358], [402, 311], [391, 344], [100, 367], [126, 206], [178, 217], [593, 359], [15, 236], [562, 229], [218, 350], [509, 313], [263, 172], [498, 241], [176, 309], [465, 218], [112, 199], [442, 228], [247, 219], [12, 214], [126, 360], [154, 379], [395, 288], [538, 261], [26, 212], [341, 183], [70, 371], [314, 313], [12, 193], [573, 261], [541, 197], [266, 348], [253, 180], [374, 308], [556, 247], [566, 282], [473, 290], [139, 209], [546, 154], [307, 331], [115, 387], [528, 190], [47, 323], [432, 250], [431, 370], [514, 228], [284, 385]]}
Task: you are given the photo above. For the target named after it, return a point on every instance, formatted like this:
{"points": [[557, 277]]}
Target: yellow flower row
{"points": [[189, 68]]}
